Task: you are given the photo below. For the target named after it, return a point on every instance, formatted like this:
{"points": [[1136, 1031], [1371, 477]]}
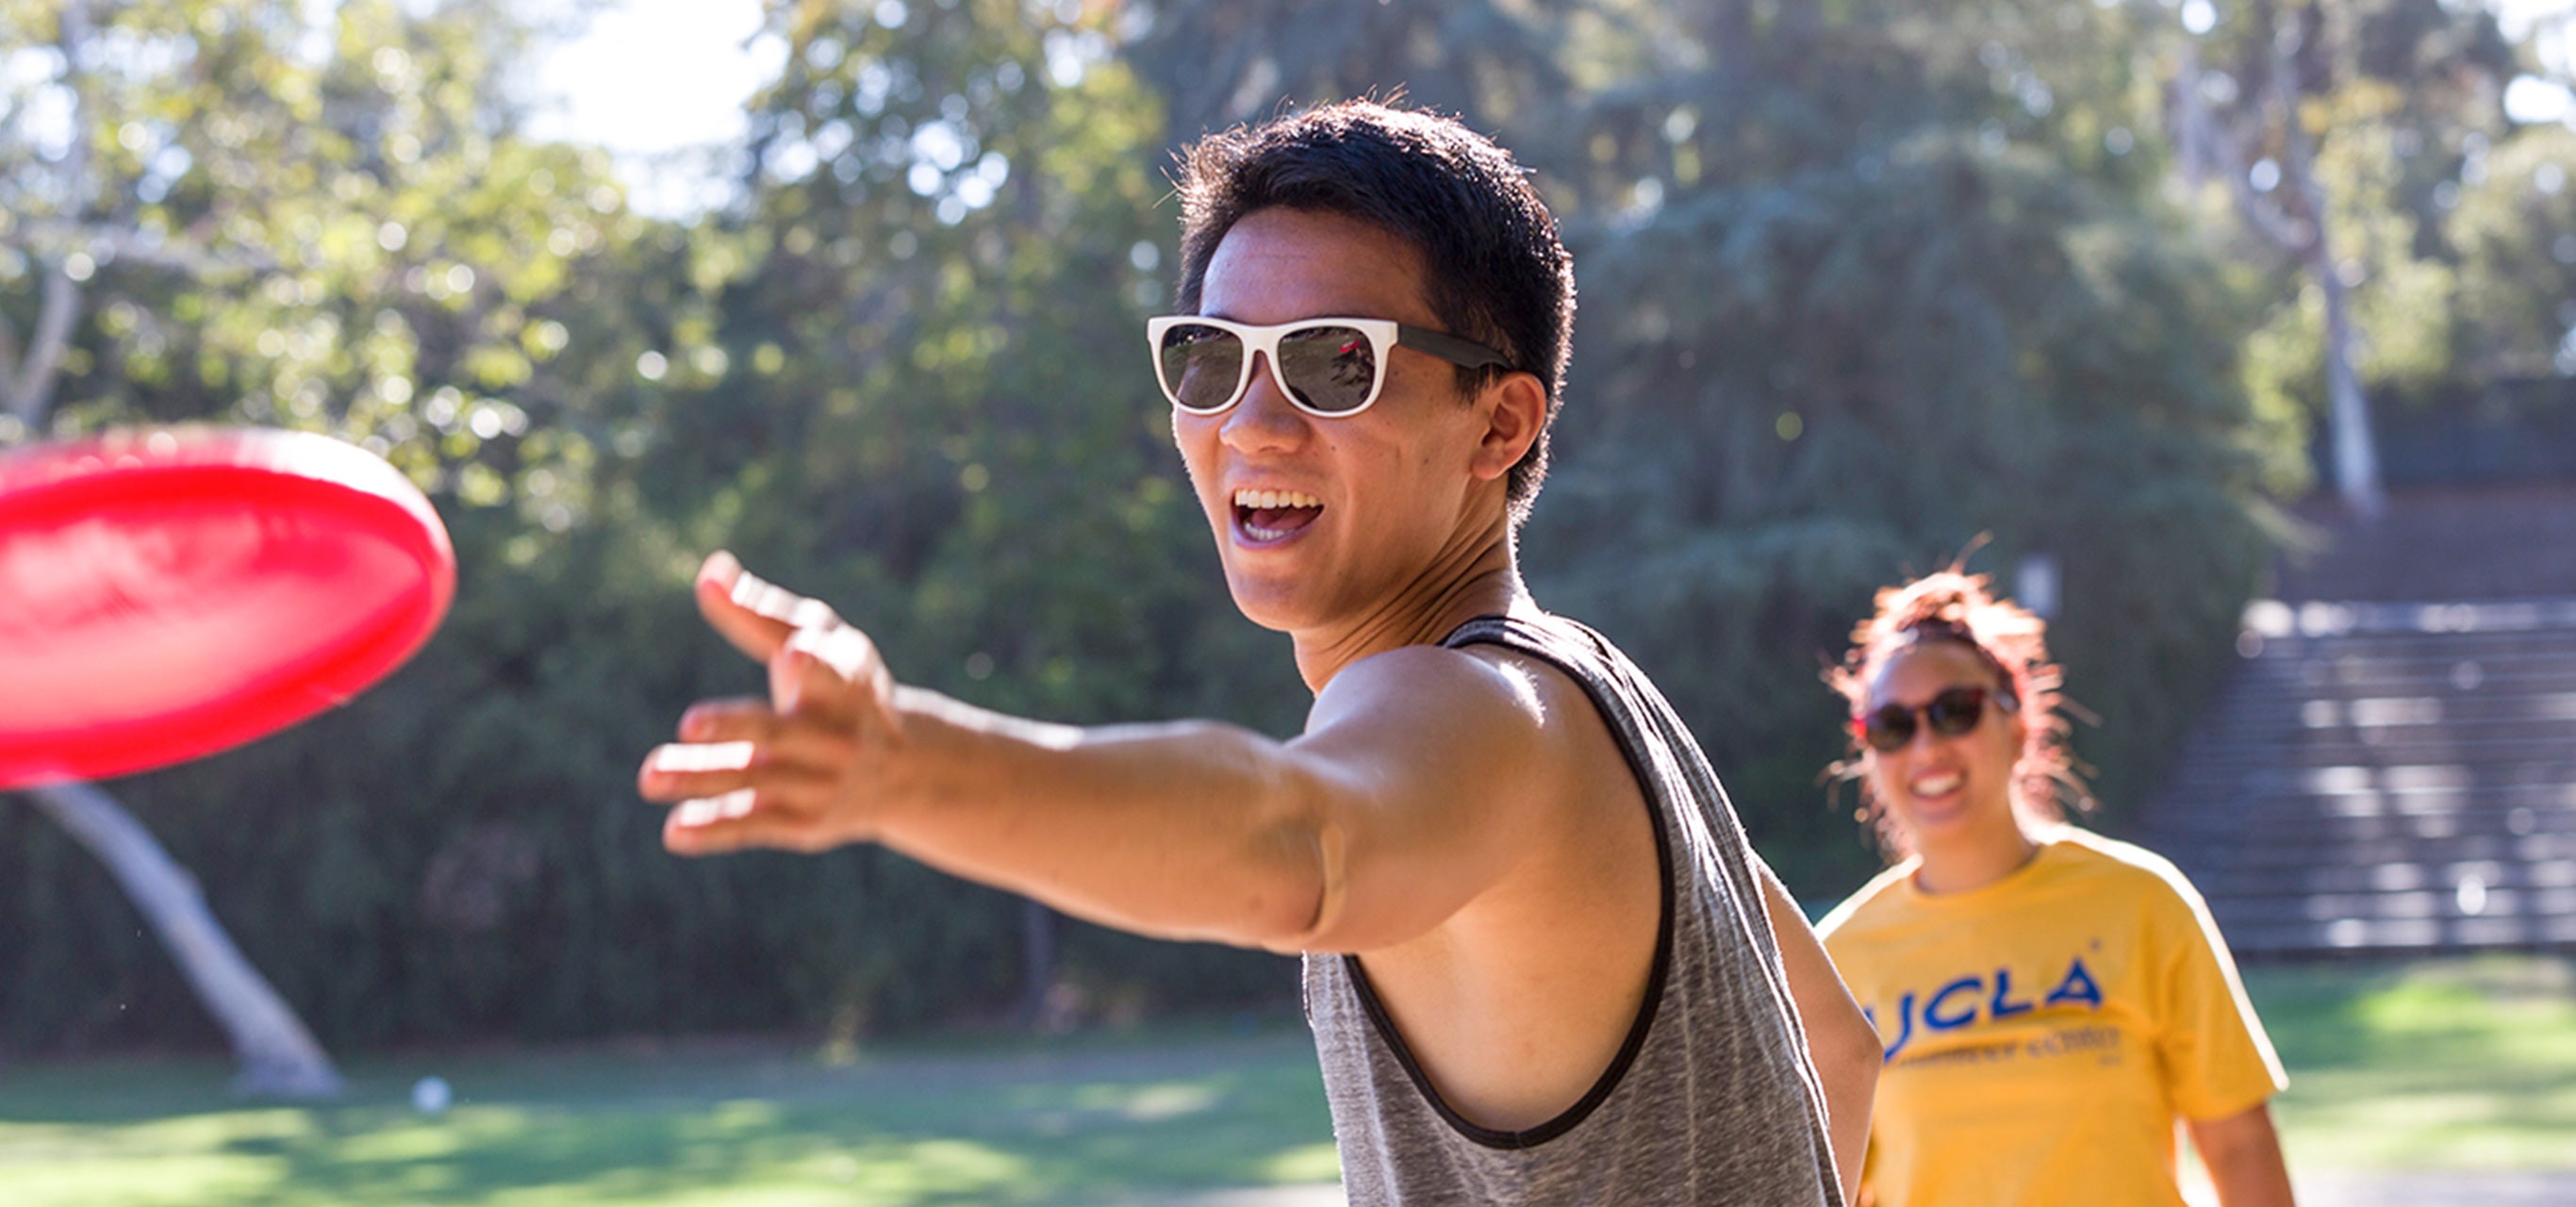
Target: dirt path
{"points": [[2372, 1189], [2537, 1188]]}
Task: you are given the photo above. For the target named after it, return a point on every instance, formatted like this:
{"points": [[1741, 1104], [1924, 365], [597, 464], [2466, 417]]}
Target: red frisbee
{"points": [[166, 594]]}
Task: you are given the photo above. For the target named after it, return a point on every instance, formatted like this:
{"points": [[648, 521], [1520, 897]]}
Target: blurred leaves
{"points": [[1861, 280]]}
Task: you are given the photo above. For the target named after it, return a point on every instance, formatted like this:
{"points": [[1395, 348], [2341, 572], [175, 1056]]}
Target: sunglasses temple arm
{"points": [[1463, 352]]}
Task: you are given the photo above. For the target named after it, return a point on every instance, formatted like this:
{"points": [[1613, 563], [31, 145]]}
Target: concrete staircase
{"points": [[2387, 776], [2391, 775]]}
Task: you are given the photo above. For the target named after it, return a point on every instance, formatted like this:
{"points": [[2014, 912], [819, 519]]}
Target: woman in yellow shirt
{"points": [[2050, 1002]]}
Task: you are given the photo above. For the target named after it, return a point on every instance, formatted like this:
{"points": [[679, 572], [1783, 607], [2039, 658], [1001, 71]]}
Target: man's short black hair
{"points": [[1494, 269]]}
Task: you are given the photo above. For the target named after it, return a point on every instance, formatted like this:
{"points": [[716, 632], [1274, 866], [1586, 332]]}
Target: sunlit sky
{"points": [[654, 80]]}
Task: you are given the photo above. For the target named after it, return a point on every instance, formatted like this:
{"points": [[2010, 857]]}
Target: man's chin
{"points": [[1273, 605]]}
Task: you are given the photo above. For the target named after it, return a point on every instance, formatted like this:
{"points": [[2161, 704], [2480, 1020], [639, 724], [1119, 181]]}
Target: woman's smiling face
{"points": [[1941, 788]]}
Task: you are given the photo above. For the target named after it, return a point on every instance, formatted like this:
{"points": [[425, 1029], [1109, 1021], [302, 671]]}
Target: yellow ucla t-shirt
{"points": [[2044, 1033]]}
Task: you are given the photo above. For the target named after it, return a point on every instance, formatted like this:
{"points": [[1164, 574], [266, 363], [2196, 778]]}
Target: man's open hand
{"points": [[803, 770]]}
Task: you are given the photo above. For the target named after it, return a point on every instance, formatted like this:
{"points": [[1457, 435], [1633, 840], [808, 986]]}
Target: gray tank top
{"points": [[1710, 1101]]}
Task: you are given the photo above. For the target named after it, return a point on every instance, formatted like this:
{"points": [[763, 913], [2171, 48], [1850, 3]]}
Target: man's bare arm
{"points": [[1350, 837], [1839, 1040]]}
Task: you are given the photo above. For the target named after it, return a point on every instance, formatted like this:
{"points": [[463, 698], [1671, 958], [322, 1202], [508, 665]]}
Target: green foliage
{"points": [[2516, 231], [1827, 344], [354, 242], [881, 397], [2400, 101], [1862, 280], [1221, 62]]}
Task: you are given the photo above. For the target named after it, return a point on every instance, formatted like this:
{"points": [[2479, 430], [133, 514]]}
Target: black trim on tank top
{"points": [[1592, 1099]]}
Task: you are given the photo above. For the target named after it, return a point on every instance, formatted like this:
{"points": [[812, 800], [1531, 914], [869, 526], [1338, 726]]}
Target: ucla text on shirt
{"points": [[1967, 1000]]}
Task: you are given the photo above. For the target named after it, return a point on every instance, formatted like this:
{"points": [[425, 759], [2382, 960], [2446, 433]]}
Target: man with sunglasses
{"points": [[1542, 963]]}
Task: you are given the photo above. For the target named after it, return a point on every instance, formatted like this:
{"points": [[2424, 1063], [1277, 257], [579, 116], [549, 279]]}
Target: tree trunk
{"points": [[2203, 147], [277, 1055], [1037, 963], [2356, 455]]}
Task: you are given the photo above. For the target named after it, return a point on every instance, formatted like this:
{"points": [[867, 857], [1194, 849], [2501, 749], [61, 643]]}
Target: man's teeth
{"points": [[1935, 785], [1262, 499]]}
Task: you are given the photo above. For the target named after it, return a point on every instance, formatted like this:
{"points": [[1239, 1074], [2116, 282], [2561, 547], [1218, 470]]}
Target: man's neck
{"points": [[1476, 575]]}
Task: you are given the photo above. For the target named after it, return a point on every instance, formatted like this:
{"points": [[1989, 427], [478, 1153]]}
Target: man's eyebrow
{"points": [[1304, 318]]}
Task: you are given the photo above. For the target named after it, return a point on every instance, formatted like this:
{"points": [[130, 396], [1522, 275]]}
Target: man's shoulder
{"points": [[1512, 703], [1478, 695], [1470, 670], [1522, 660]]}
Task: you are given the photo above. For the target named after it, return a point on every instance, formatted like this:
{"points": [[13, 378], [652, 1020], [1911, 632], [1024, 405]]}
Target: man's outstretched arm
{"points": [[1350, 837]]}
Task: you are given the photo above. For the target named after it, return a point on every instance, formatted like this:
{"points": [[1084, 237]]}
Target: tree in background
{"points": [[1218, 63], [2515, 231], [2339, 134], [63, 218], [905, 371], [1855, 293], [219, 211], [951, 236], [1860, 282]]}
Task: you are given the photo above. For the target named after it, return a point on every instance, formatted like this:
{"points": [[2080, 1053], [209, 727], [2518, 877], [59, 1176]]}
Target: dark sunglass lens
{"points": [[1331, 369], [1201, 366], [1889, 728], [1955, 711]]}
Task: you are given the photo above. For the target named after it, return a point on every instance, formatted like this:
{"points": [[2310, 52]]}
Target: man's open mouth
{"points": [[1269, 515]]}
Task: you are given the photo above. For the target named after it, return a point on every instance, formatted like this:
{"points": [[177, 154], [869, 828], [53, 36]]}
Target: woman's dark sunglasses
{"points": [[1326, 366], [1888, 727]]}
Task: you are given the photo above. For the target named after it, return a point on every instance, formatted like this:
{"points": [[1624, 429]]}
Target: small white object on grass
{"points": [[430, 1095]]}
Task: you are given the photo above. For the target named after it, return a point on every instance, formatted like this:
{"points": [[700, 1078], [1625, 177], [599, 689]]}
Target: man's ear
{"points": [[1515, 411]]}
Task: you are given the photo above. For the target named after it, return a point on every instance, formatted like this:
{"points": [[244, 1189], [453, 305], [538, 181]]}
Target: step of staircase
{"points": [[2386, 775]]}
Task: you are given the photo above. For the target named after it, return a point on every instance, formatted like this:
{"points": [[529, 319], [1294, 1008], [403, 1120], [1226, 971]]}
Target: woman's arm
{"points": [[2244, 1158]]}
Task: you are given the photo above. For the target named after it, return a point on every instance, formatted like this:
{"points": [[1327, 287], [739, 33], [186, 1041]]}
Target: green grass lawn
{"points": [[1085, 1119], [2468, 1065]]}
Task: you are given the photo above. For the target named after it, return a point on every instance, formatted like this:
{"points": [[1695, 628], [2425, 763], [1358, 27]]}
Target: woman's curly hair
{"points": [[1954, 606]]}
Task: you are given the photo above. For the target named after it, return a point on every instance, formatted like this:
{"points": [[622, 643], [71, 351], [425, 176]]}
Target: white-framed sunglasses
{"points": [[1325, 366]]}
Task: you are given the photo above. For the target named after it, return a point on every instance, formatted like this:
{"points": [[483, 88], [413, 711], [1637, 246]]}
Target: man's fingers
{"points": [[757, 616], [819, 672], [680, 772], [738, 620], [705, 811], [687, 771], [739, 819], [738, 719], [844, 649], [765, 773], [809, 739]]}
